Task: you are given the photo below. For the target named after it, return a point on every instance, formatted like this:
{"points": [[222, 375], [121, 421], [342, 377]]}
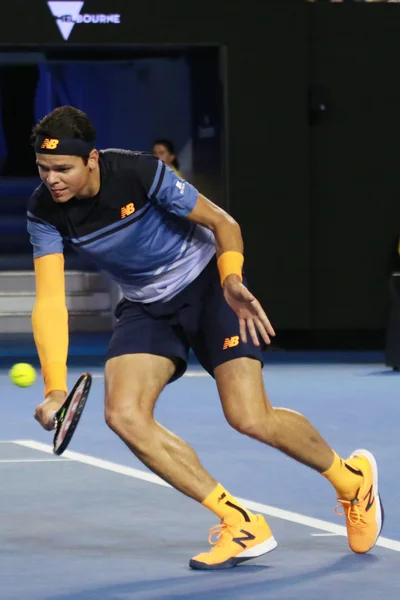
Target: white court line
{"points": [[196, 374], [255, 506], [33, 460], [324, 534], [187, 374]]}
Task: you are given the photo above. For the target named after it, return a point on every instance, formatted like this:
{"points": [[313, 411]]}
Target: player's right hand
{"points": [[44, 413], [251, 315]]}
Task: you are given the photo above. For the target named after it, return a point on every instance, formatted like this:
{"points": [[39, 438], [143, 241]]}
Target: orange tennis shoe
{"points": [[236, 542], [364, 514]]}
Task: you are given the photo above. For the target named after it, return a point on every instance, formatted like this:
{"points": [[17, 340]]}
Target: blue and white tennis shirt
{"points": [[133, 229]]}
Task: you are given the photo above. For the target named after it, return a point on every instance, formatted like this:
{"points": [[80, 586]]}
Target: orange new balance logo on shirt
{"points": [[50, 144], [231, 342], [127, 210]]}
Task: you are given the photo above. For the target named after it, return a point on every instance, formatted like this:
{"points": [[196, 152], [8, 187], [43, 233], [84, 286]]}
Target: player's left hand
{"points": [[249, 311]]}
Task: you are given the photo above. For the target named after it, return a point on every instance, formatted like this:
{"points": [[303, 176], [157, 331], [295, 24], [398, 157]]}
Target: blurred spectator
{"points": [[394, 258], [18, 84], [165, 151]]}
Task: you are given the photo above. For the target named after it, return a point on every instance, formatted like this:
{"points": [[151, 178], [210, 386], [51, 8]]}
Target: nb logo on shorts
{"points": [[231, 342], [127, 210], [50, 144]]}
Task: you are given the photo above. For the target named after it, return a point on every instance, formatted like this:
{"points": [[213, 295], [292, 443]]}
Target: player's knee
{"points": [[264, 429], [112, 418], [116, 418], [248, 426], [127, 421]]}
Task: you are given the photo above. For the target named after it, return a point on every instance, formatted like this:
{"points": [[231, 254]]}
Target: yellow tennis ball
{"points": [[22, 374]]}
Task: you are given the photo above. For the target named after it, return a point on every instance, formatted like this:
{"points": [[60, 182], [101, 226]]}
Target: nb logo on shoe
{"points": [[127, 210], [371, 499], [50, 144], [231, 342], [248, 537]]}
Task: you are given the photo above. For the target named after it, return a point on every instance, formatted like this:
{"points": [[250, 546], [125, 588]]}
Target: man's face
{"points": [[65, 176]]}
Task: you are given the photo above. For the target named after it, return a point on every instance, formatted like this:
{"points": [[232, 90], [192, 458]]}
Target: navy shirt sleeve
{"points": [[164, 188]]}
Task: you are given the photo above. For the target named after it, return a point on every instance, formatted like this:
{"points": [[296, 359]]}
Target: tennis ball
{"points": [[22, 374]]}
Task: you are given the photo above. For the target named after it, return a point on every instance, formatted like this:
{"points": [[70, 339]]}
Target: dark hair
{"points": [[65, 122], [171, 149]]}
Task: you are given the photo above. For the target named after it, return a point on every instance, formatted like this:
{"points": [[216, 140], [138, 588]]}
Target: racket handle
{"points": [[53, 419]]}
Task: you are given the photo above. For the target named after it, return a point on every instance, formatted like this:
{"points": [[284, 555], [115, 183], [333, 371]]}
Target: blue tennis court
{"points": [[95, 524]]}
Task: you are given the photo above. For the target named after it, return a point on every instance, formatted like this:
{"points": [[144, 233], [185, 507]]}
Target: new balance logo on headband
{"points": [[50, 144]]}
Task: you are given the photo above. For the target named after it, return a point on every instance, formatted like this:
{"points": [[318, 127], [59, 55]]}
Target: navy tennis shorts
{"points": [[198, 318]]}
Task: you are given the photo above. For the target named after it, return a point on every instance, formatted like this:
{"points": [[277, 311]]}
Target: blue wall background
{"points": [[131, 103]]}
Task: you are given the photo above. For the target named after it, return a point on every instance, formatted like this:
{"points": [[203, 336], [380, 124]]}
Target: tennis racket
{"points": [[67, 418]]}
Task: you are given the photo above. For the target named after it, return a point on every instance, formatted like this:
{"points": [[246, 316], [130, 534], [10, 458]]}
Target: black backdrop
{"points": [[317, 201]]}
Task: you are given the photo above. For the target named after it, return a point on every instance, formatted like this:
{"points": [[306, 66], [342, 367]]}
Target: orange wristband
{"points": [[230, 263], [55, 378]]}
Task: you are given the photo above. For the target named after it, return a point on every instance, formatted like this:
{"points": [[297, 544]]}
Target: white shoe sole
{"points": [[267, 546], [254, 552], [379, 516]]}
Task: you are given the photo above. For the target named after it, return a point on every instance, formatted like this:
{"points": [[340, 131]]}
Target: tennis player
{"points": [[178, 259]]}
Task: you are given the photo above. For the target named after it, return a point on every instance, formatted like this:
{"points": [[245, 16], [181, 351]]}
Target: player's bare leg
{"points": [[355, 479], [248, 410], [133, 383]]}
